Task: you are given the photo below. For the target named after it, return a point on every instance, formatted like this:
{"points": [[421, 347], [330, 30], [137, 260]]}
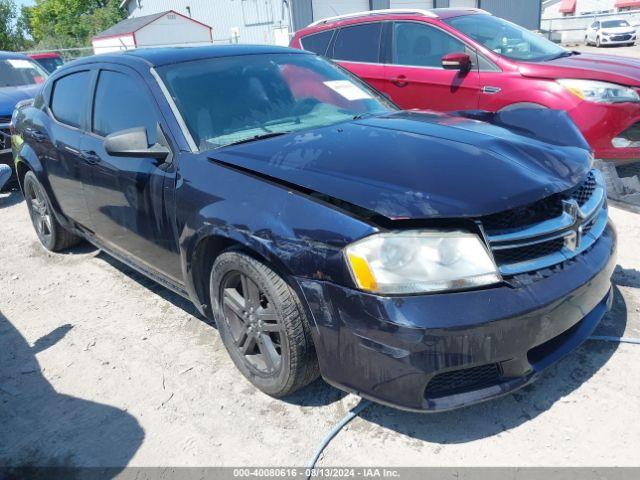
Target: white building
{"points": [[162, 28], [273, 21]]}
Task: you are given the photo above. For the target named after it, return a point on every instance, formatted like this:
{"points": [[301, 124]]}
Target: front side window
{"points": [[69, 98], [318, 42], [18, 72], [233, 99], [506, 38], [121, 103], [419, 45], [359, 43]]}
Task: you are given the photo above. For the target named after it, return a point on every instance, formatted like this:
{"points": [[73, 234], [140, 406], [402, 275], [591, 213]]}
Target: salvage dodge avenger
{"points": [[424, 260]]}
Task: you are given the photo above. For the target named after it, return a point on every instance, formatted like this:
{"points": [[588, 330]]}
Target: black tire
{"points": [[598, 44], [51, 234], [256, 311]]}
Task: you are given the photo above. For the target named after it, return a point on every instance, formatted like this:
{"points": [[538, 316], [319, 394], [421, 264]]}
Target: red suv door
{"points": [[415, 77]]}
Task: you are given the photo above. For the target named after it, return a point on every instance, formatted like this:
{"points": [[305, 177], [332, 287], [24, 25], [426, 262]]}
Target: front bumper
{"points": [[444, 351], [621, 39], [602, 123]]}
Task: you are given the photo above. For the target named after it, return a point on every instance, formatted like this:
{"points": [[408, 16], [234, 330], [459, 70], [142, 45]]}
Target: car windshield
{"points": [[615, 24], [506, 38], [50, 63], [229, 100], [17, 72]]}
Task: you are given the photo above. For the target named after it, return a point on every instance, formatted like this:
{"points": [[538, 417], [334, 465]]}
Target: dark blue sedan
{"points": [[20, 79], [424, 260]]}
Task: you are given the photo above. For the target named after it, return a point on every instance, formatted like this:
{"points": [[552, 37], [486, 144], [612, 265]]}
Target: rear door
{"points": [[415, 77], [66, 168], [131, 198], [357, 48]]}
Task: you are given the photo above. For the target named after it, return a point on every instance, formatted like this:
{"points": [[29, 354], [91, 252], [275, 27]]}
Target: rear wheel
{"points": [[51, 234], [262, 325]]}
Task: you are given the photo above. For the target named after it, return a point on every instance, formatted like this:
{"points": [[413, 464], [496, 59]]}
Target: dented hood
{"points": [[423, 164]]}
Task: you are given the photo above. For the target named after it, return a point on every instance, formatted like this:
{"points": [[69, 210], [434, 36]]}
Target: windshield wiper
{"points": [[262, 136], [566, 53]]}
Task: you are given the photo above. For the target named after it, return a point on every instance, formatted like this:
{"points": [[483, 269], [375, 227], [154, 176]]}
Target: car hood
{"points": [[417, 165], [606, 68], [10, 96]]}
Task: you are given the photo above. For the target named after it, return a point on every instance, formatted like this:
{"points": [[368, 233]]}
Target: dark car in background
{"points": [[452, 59], [50, 61], [424, 260], [20, 79]]}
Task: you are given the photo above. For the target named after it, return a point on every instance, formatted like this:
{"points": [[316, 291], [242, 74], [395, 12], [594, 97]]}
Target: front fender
{"points": [[292, 232]]}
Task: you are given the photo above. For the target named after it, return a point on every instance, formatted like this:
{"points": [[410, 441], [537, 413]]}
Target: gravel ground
{"points": [[101, 367]]}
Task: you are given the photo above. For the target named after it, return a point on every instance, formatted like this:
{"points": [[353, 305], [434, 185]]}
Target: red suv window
{"points": [[358, 43]]}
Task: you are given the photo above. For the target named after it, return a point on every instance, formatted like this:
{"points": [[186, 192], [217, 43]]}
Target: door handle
{"points": [[90, 157], [35, 135], [400, 81]]}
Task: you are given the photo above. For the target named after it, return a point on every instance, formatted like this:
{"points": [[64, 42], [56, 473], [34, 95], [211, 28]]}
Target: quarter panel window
{"points": [[121, 103], [318, 42], [419, 45], [69, 98], [358, 43]]}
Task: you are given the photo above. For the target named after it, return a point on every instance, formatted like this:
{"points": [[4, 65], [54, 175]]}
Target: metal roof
{"points": [[130, 25]]}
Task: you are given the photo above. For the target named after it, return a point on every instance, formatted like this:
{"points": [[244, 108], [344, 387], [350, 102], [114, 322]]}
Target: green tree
{"points": [[12, 33], [71, 23]]}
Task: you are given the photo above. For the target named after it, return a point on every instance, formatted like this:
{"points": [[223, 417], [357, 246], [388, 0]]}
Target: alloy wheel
{"points": [[39, 211], [253, 322]]}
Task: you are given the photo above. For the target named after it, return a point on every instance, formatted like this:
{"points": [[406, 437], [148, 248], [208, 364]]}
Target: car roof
{"points": [[156, 57], [432, 14], [8, 55], [38, 56]]}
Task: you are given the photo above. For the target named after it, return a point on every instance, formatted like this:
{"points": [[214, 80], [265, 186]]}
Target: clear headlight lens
{"points": [[600, 92], [420, 261]]}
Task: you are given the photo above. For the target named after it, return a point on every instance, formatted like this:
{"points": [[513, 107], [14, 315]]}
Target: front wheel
{"points": [[598, 44], [51, 234], [262, 325]]}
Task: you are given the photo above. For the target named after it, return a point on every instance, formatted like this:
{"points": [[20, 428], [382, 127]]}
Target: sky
{"points": [[24, 2]]}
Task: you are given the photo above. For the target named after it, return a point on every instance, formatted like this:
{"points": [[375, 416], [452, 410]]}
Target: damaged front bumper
{"points": [[444, 351]]}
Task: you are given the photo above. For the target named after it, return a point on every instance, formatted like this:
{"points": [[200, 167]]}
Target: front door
{"points": [[131, 198], [415, 77]]}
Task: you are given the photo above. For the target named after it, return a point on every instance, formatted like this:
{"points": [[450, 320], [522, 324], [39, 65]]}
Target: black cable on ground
{"points": [[354, 412]]}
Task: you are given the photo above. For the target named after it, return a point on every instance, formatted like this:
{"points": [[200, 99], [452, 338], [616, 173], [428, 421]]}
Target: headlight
{"points": [[599, 92], [419, 261]]}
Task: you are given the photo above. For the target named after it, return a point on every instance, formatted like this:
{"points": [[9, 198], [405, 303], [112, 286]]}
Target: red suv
{"points": [[453, 59]]}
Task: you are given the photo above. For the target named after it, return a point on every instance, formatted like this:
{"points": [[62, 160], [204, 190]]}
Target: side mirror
{"points": [[134, 142], [456, 61]]}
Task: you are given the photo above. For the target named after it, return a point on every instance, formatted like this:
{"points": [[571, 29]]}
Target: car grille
{"points": [[461, 381], [620, 38], [5, 135], [549, 231]]}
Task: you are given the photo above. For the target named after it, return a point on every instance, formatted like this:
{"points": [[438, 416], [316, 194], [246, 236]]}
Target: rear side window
{"points": [[69, 98], [359, 43], [318, 42], [419, 45], [122, 103]]}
